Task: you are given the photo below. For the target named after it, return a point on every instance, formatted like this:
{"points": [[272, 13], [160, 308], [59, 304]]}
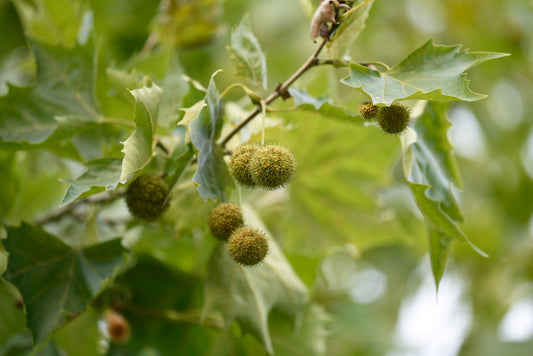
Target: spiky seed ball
{"points": [[368, 111], [224, 219], [118, 327], [272, 166], [239, 164], [146, 197], [247, 246], [393, 119]]}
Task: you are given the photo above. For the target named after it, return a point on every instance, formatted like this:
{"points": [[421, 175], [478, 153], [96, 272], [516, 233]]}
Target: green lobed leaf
{"points": [[353, 23], [247, 295], [342, 189], [320, 106], [101, 174], [432, 72], [246, 54], [212, 176], [64, 90], [139, 146], [51, 21], [431, 172], [56, 281]]}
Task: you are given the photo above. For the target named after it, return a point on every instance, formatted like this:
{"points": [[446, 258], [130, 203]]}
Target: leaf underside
{"points": [[431, 173], [246, 54], [212, 176]]}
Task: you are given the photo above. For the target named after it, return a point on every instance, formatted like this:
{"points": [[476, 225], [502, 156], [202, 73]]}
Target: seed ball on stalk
{"points": [[368, 111], [247, 246], [239, 164], [146, 197], [272, 166], [224, 219], [393, 119]]}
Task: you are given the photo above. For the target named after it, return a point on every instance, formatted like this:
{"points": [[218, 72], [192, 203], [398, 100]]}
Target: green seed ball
{"points": [[247, 246], [393, 119], [368, 111], [272, 166], [224, 219], [146, 197], [239, 164]]}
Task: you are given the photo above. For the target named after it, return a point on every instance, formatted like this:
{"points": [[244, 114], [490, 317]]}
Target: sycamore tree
{"points": [[197, 177]]}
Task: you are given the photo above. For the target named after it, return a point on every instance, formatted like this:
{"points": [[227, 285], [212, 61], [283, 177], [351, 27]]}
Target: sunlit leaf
{"points": [[353, 22], [139, 146], [247, 295], [247, 56], [51, 21], [101, 174], [212, 176], [431, 73], [340, 189], [57, 282]]}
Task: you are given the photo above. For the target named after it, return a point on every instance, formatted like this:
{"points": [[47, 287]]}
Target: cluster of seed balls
{"points": [[391, 119], [268, 167], [246, 246]]}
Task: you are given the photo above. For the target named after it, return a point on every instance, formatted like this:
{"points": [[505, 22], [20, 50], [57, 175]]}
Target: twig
{"points": [[97, 198], [280, 90]]}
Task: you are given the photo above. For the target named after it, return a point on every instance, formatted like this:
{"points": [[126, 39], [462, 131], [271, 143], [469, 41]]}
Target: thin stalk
{"points": [[281, 89]]}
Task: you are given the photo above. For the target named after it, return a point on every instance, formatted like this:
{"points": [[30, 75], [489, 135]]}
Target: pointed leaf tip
{"points": [[431, 72]]}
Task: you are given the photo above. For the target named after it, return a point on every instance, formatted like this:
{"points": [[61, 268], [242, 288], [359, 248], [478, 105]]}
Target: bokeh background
{"points": [[347, 223]]}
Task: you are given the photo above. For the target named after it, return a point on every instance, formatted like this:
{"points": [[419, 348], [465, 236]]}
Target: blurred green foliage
{"points": [[347, 224]]}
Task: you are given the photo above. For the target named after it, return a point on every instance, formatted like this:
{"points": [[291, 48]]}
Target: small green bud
{"points": [[239, 164], [247, 246], [224, 219], [368, 111], [146, 197], [272, 166], [393, 119]]}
